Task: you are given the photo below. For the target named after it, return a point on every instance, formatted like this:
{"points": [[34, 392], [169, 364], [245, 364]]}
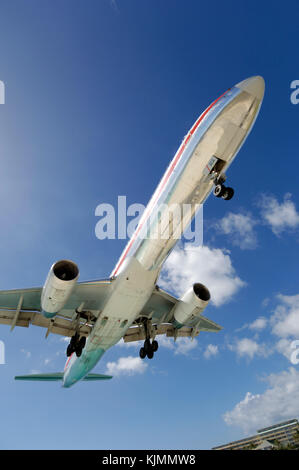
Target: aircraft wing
{"points": [[22, 307], [160, 308]]}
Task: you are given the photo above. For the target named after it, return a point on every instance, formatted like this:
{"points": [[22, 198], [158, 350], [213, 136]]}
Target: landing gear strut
{"points": [[76, 345], [149, 348]]}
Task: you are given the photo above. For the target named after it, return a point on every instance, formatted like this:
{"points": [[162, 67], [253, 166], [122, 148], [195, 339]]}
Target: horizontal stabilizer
{"points": [[59, 376], [49, 377], [97, 377]]}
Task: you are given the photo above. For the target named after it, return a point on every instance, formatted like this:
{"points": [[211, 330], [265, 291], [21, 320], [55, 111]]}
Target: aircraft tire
{"points": [[142, 353], [150, 354], [219, 190], [228, 194]]}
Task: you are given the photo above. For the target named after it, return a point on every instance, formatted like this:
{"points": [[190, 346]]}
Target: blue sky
{"points": [[99, 95]]}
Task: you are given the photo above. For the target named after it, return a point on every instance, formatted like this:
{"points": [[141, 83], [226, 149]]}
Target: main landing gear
{"points": [[222, 191], [76, 345], [149, 348]]}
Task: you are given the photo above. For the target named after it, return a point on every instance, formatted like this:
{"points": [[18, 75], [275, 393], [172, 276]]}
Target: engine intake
{"points": [[201, 292], [66, 270], [58, 287], [191, 305]]}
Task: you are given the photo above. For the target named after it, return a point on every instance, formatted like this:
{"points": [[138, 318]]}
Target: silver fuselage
{"points": [[216, 136]]}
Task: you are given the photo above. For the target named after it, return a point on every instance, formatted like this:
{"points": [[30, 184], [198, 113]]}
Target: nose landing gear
{"points": [[222, 191]]}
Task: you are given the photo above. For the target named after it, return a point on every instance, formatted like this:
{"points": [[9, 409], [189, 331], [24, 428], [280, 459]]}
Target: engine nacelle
{"points": [[191, 305], [58, 287]]}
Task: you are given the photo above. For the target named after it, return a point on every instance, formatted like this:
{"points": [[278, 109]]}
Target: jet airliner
{"points": [[129, 304]]}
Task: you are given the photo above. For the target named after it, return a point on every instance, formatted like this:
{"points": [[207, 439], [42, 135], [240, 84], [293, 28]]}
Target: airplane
{"points": [[96, 315]]}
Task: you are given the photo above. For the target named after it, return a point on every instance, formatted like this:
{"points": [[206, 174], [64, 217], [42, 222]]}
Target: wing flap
{"points": [[137, 333], [57, 325]]}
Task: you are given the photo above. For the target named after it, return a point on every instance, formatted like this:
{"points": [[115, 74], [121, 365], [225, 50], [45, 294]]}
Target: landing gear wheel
{"points": [[147, 345], [69, 350], [78, 352], [76, 345], [74, 340], [155, 345], [150, 354], [219, 190], [142, 353], [228, 194]]}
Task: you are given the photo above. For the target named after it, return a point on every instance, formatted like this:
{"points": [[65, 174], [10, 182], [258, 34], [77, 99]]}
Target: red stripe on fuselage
{"points": [[165, 179], [67, 362]]}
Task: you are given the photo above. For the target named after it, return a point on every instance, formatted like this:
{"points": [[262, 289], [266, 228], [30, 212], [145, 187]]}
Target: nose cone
{"points": [[253, 85]]}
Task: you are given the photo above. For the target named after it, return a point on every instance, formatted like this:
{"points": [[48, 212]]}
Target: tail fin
{"points": [[59, 376]]}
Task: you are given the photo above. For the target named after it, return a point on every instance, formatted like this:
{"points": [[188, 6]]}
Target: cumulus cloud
{"points": [[240, 228], [258, 324], [278, 403], [249, 348], [285, 320], [284, 347], [210, 266], [280, 216], [126, 366], [185, 345], [210, 351]]}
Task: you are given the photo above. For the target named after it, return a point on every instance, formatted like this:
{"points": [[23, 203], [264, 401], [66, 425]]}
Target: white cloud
{"points": [[259, 324], [240, 228], [211, 350], [185, 345], [278, 403], [210, 266], [285, 321], [126, 366], [280, 217], [65, 339], [284, 347], [249, 348], [166, 342]]}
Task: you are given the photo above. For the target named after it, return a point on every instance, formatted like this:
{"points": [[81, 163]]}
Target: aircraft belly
{"points": [[133, 288], [191, 183]]}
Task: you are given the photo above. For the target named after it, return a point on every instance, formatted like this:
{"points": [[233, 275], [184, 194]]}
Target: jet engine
{"points": [[191, 305], [58, 287]]}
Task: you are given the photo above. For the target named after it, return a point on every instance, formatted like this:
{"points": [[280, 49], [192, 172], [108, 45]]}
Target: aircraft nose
{"points": [[253, 85]]}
